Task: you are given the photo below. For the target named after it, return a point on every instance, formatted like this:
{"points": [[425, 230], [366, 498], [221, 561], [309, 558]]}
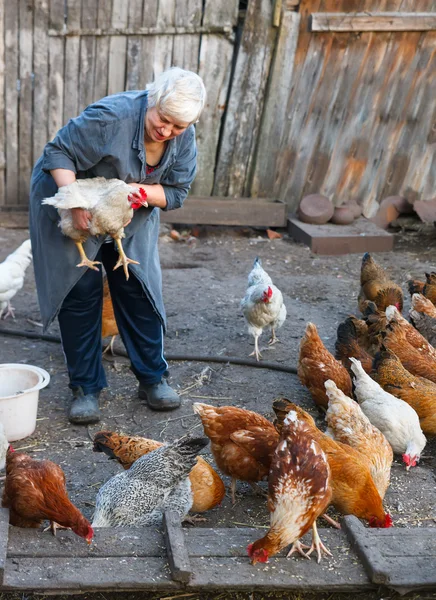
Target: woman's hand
{"points": [[81, 218]]}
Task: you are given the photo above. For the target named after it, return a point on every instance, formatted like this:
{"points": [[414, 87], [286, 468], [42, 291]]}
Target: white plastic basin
{"points": [[19, 394]]}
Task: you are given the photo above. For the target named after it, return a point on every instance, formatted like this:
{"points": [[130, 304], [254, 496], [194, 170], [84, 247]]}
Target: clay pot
{"points": [[356, 208], [315, 209], [343, 215]]}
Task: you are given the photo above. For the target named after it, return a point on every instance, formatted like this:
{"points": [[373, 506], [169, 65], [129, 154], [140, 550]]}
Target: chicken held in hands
{"points": [[354, 490], [207, 486], [377, 286], [396, 419], [298, 492], [262, 306], [419, 392], [316, 365], [35, 490], [242, 441], [111, 203], [348, 424], [156, 482], [12, 271]]}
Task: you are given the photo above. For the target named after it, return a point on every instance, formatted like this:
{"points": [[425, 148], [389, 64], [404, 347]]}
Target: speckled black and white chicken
{"points": [[156, 482], [262, 306]]}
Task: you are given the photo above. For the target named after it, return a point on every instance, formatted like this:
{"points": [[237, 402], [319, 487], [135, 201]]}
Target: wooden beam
{"points": [[4, 531], [178, 557], [248, 212], [128, 31], [376, 21]]}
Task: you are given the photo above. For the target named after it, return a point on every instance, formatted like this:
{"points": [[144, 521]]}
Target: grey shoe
{"points": [[159, 396], [84, 408]]}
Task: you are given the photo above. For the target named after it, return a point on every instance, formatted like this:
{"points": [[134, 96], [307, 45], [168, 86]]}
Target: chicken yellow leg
{"points": [[123, 260], [85, 262]]}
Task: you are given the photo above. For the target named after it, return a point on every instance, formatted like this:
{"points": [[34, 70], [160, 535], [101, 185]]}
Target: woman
{"points": [[147, 139]]}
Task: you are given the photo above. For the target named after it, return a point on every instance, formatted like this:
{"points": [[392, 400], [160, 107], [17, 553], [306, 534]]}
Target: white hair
{"points": [[178, 94]]}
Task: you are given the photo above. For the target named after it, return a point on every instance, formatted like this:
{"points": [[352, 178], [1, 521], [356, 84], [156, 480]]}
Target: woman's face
{"points": [[159, 128]]}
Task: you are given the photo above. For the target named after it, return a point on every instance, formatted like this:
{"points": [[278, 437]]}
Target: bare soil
{"points": [[203, 284]]}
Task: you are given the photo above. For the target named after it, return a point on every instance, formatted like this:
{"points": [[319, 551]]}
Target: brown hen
{"points": [[419, 392], [109, 325], [347, 345], [207, 486], [316, 365], [423, 316], [377, 286], [413, 336], [242, 441], [426, 288], [35, 490]]}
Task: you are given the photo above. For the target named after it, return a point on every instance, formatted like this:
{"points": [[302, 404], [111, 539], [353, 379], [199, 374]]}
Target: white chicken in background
{"points": [[396, 419], [262, 306], [347, 423], [4, 445], [111, 205], [12, 271]]}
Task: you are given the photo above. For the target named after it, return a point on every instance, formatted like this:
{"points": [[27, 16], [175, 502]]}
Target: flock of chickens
{"points": [[379, 397]]}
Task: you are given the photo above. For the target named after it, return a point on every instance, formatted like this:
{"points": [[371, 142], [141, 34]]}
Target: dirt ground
{"points": [[203, 285]]}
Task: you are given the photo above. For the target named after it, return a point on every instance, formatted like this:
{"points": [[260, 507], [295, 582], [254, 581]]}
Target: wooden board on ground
{"points": [[4, 528], [247, 212], [403, 559], [360, 236]]}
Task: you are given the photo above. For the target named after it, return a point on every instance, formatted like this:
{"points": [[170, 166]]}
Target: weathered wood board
{"points": [[254, 212], [4, 531], [360, 236], [375, 21]]}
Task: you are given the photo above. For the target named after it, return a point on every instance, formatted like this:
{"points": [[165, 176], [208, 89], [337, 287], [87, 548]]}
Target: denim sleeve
{"points": [[178, 181], [79, 145]]}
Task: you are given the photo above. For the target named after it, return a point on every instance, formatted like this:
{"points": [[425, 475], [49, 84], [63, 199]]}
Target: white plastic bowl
{"points": [[19, 394]]}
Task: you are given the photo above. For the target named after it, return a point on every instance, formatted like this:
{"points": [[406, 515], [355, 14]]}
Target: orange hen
{"points": [[109, 325], [427, 288], [423, 317], [207, 486], [377, 286], [35, 490], [316, 365], [242, 441], [347, 345]]}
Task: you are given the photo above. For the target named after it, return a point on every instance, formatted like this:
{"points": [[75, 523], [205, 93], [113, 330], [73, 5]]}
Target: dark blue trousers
{"points": [[140, 327]]}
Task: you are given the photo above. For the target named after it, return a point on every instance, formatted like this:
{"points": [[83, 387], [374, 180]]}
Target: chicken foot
{"points": [[53, 527], [317, 544], [110, 346], [193, 519], [10, 312], [123, 259], [85, 261], [274, 339], [256, 351], [298, 547]]}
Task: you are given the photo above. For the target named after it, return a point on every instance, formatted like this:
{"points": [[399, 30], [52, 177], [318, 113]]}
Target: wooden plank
{"points": [[66, 575], [149, 20], [220, 13], [56, 77], [4, 533], [361, 236], [11, 16], [72, 62], [375, 21], [25, 112], [186, 47], [245, 106], [254, 212], [87, 56], [177, 554], [216, 54], [104, 15], [2, 107], [134, 47], [163, 49], [118, 48], [275, 109], [40, 70]]}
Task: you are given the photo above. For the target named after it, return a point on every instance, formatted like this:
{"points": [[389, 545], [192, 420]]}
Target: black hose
{"points": [[232, 360]]}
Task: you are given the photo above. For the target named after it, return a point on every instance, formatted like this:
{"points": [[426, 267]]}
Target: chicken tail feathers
{"points": [[188, 446], [415, 287]]}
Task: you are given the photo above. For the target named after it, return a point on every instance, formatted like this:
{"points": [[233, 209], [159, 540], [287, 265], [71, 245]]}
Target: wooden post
{"points": [[4, 533], [178, 557]]}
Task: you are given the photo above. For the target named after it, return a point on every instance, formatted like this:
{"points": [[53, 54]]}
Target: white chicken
{"points": [[12, 271], [396, 419], [262, 306], [347, 423], [4, 445], [111, 207]]}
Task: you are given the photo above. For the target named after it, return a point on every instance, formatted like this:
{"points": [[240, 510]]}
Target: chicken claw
{"points": [[274, 339], [193, 519], [317, 544], [256, 351], [298, 547], [9, 313], [123, 259], [85, 262], [53, 527]]}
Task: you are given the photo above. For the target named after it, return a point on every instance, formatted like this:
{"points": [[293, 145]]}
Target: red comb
{"points": [[270, 292], [143, 193]]}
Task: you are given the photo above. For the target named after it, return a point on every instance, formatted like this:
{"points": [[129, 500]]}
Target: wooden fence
{"points": [[329, 96]]}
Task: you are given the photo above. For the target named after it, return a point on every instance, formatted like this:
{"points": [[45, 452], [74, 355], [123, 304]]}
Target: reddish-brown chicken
{"points": [[354, 490], [316, 365], [109, 325], [426, 288], [419, 392], [347, 345], [207, 486], [242, 441], [35, 490], [299, 491], [423, 317], [414, 360], [413, 336], [377, 286]]}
